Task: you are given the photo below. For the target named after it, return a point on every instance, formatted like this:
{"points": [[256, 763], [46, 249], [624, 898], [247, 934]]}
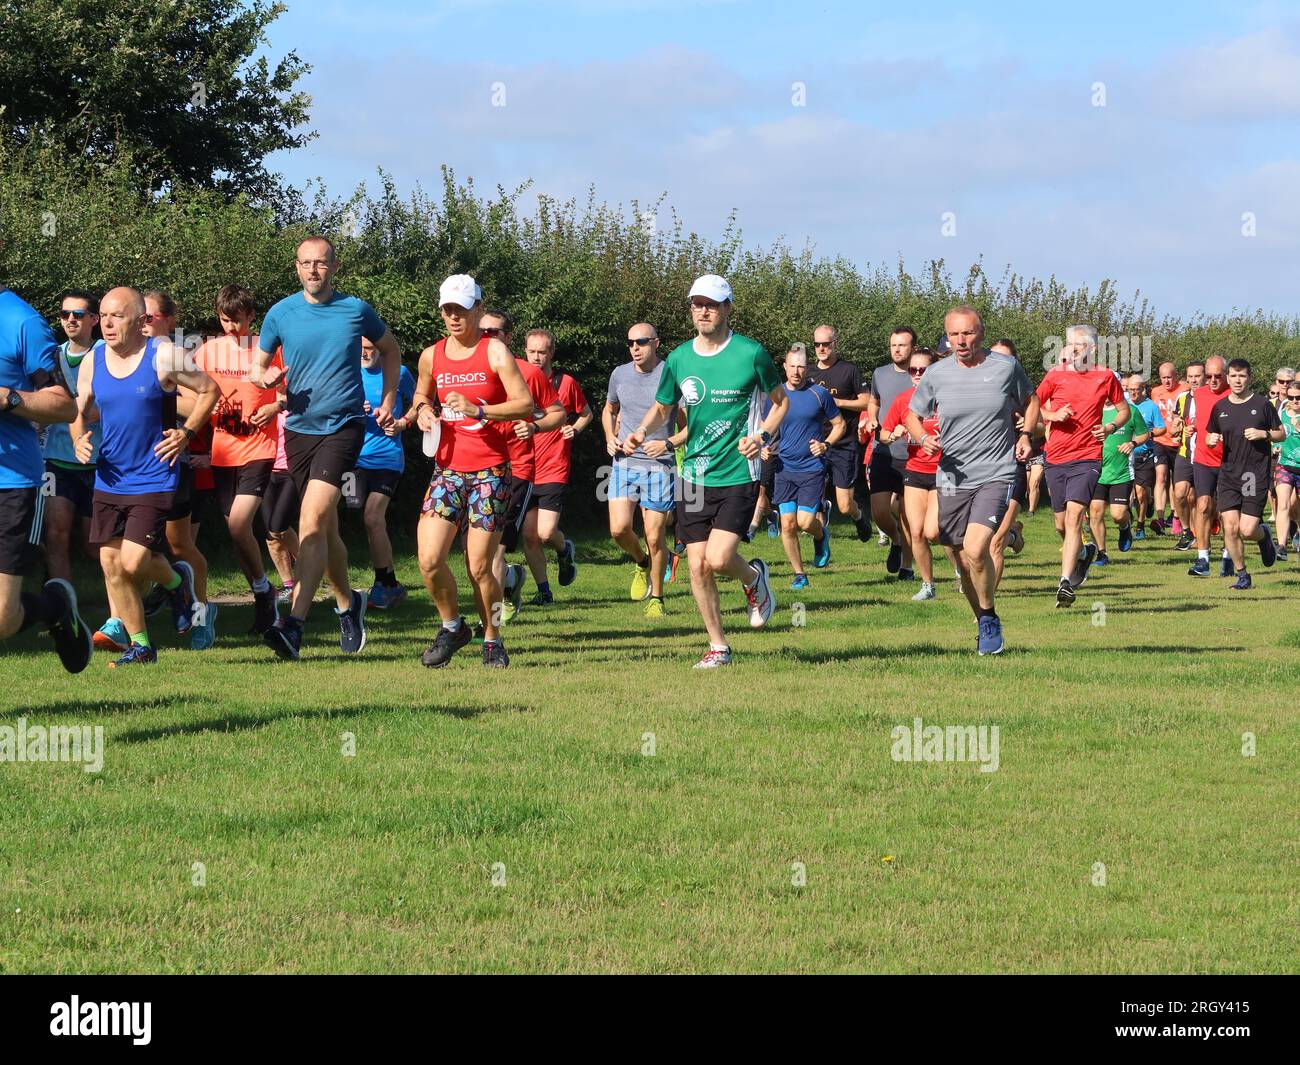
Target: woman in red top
{"points": [[470, 386], [920, 495]]}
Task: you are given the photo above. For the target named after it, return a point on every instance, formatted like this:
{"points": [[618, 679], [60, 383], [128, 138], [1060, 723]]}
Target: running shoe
{"points": [[863, 525], [1268, 548], [155, 600], [568, 559], [1199, 568], [990, 637], [905, 574], [182, 598], [1139, 534], [926, 592], [494, 655], [136, 655], [516, 578], [352, 624], [640, 586], [894, 561], [713, 659], [882, 538], [826, 514], [541, 598], [285, 594], [822, 548], [1242, 582], [654, 607], [1080, 576], [1125, 537], [112, 636], [1281, 554], [1065, 593], [284, 638], [1225, 567], [446, 644], [1016, 538], [800, 581], [1102, 559], [72, 640], [1157, 527], [773, 525], [1295, 541], [761, 603], [384, 596], [266, 612], [1185, 542], [203, 633]]}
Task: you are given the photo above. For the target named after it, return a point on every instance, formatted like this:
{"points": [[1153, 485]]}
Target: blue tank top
{"points": [[133, 410]]}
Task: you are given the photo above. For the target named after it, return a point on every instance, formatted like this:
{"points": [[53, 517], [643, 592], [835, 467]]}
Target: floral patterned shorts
{"points": [[479, 498]]}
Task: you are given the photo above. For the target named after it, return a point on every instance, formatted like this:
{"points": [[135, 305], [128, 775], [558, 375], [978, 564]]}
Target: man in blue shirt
{"points": [[31, 391], [799, 487], [1143, 459], [379, 469], [319, 331]]}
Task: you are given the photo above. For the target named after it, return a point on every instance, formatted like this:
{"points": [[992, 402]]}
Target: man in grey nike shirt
{"points": [[977, 396]]}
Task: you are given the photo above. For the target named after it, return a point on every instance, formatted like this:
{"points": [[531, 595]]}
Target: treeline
{"points": [[585, 270]]}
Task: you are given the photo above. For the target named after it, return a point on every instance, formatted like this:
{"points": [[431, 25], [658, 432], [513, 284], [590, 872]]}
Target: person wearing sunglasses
{"points": [[1244, 426], [1287, 479], [647, 478], [32, 393], [1282, 380], [1207, 461], [68, 506]]}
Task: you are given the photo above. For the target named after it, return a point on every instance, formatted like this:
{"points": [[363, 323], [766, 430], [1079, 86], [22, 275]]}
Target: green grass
{"points": [[1120, 744]]}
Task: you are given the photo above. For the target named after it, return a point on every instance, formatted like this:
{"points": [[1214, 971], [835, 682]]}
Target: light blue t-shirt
{"points": [[27, 347], [379, 451], [322, 351], [811, 407], [1150, 411]]}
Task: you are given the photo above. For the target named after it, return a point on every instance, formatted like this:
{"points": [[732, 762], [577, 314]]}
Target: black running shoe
{"points": [[446, 644], [568, 564], [541, 598], [182, 598], [72, 640], [1065, 594], [285, 639], [1080, 575], [494, 655], [1226, 568], [895, 560], [266, 612], [1185, 542], [906, 575], [865, 531], [352, 624], [1268, 548], [155, 601]]}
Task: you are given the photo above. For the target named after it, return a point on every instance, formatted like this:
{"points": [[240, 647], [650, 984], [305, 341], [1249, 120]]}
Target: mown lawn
{"points": [[511, 821]]}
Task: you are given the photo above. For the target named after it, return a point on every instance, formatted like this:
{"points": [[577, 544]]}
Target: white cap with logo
{"points": [[711, 287], [460, 289]]}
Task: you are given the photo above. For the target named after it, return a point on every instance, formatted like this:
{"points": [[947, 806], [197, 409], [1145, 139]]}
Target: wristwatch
{"points": [[189, 433], [13, 400], [765, 437]]}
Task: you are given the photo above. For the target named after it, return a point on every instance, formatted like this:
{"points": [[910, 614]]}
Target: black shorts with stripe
{"points": [[22, 513]]}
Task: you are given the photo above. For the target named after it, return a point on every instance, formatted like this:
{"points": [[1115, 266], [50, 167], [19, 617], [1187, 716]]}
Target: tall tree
{"points": [[171, 84]]}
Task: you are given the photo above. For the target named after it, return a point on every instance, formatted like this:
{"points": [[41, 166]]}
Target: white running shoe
{"points": [[761, 602]]}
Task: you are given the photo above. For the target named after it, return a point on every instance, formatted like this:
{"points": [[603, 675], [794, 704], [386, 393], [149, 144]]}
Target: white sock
{"points": [[453, 625], [1203, 554], [719, 646]]}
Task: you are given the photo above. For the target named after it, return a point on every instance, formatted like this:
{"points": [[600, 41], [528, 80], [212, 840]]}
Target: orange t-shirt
{"points": [[236, 441], [1167, 399]]}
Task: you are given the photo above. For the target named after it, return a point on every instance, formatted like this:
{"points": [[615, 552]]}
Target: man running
{"points": [[843, 380], [1207, 460], [920, 491], [31, 391], [885, 474], [552, 454], [1116, 481], [1077, 391], [379, 470], [1164, 447], [131, 380], [801, 454], [1244, 426], [1143, 459], [977, 397], [720, 377], [320, 332], [71, 483], [479, 391], [647, 478], [243, 445], [1181, 431]]}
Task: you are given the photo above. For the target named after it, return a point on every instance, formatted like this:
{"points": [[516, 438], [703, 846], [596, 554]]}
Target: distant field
{"points": [[770, 829]]}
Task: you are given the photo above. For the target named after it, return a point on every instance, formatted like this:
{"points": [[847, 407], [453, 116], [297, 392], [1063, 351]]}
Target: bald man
{"points": [[130, 382]]}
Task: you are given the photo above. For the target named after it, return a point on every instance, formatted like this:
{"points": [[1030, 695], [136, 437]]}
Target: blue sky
{"points": [[909, 112]]}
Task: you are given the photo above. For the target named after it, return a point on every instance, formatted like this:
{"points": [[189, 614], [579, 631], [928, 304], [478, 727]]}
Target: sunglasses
{"points": [[822, 343], [1212, 376], [78, 315], [1293, 399], [491, 331], [915, 370], [639, 342]]}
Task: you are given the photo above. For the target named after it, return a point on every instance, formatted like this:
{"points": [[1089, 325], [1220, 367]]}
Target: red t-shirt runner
{"points": [[468, 444], [522, 461], [1085, 393], [551, 450], [917, 460], [1204, 399]]}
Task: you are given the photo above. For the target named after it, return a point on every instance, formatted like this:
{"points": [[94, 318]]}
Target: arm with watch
{"points": [[751, 445], [46, 404], [201, 405]]}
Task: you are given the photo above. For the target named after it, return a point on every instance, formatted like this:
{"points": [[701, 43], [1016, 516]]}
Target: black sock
{"points": [[645, 562], [386, 577], [40, 609], [292, 622], [989, 613]]}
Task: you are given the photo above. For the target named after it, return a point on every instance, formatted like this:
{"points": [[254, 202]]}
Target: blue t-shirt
{"points": [[27, 347], [379, 451], [1150, 411], [811, 407], [322, 350]]}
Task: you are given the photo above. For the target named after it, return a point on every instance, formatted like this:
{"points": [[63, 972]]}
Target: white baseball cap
{"points": [[460, 289], [711, 287]]}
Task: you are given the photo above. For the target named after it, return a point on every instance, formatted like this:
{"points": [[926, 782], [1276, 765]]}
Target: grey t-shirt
{"points": [[634, 392], [887, 384], [977, 406]]}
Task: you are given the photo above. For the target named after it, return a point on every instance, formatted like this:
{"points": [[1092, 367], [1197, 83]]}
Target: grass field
{"points": [[1121, 744]]}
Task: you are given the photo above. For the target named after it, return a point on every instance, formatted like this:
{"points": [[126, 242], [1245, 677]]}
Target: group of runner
{"points": [[144, 437]]}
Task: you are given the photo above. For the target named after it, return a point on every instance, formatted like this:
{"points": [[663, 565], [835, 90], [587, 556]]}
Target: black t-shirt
{"points": [[1242, 456], [843, 381]]}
